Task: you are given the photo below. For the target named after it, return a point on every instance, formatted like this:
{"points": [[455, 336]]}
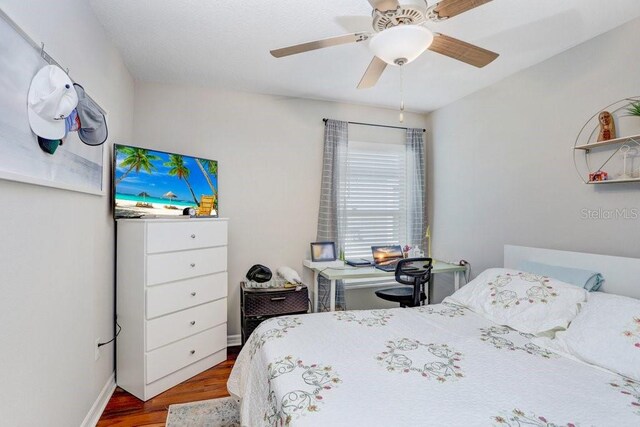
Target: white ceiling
{"points": [[226, 43]]}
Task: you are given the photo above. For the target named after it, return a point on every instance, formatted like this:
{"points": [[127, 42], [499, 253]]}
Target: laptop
{"points": [[385, 258]]}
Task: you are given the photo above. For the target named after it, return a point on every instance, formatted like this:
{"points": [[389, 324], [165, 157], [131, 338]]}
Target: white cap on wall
{"points": [[51, 100]]}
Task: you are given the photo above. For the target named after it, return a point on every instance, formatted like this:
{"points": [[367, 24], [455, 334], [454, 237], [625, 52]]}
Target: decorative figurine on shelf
{"points": [[607, 127], [598, 176]]}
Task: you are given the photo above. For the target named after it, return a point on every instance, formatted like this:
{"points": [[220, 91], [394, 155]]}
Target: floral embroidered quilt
{"points": [[438, 365]]}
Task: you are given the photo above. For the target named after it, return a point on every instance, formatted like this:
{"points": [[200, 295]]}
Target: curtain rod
{"points": [[374, 125]]}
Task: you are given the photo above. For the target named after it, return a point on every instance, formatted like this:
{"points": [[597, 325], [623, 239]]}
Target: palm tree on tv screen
{"points": [[180, 170], [136, 159], [209, 167]]}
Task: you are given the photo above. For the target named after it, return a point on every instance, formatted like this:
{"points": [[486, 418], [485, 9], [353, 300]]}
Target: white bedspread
{"points": [[438, 365]]}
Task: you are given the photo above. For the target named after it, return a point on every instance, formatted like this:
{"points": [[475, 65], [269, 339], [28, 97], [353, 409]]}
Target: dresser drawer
{"points": [[269, 303], [169, 267], [165, 360], [173, 327], [170, 297], [183, 235]]}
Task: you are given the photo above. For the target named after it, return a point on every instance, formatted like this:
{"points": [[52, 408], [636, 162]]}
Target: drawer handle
{"points": [[193, 322], [193, 264], [193, 236], [193, 294], [278, 298], [192, 352]]}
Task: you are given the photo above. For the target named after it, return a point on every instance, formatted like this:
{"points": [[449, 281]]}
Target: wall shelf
{"points": [[622, 140], [614, 181], [616, 158]]}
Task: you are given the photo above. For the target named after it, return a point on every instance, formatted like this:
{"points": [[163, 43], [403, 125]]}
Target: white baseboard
{"points": [[96, 410], [234, 340]]}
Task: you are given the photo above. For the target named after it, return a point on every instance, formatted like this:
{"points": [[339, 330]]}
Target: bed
{"points": [[427, 366]]}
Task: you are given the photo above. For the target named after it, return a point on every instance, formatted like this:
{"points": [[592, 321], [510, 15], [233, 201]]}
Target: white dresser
{"points": [[171, 301]]}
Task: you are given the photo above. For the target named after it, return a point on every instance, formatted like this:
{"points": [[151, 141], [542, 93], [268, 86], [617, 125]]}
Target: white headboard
{"points": [[621, 275]]}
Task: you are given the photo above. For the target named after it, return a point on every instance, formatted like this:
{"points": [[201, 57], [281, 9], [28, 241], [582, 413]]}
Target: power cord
{"points": [[100, 344]]}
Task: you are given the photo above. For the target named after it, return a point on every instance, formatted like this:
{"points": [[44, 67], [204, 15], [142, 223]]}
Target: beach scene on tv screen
{"points": [[149, 183]]}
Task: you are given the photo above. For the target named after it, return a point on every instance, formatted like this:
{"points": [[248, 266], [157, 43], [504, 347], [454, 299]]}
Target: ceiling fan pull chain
{"points": [[401, 94]]}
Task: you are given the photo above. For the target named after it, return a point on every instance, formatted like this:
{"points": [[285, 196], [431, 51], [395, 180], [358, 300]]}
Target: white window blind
{"points": [[375, 209]]}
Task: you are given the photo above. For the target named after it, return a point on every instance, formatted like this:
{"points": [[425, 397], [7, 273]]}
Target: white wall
{"points": [[270, 156], [502, 163], [57, 254]]}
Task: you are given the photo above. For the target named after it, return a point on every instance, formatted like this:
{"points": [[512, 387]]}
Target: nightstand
{"points": [[258, 305]]}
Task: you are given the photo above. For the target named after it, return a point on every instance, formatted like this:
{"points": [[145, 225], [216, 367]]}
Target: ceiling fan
{"points": [[400, 37]]}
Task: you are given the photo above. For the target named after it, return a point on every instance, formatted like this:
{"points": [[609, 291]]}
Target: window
{"points": [[375, 209]]}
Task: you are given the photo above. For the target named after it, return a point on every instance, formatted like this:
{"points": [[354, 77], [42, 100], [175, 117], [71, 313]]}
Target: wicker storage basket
{"points": [[275, 302], [259, 305]]}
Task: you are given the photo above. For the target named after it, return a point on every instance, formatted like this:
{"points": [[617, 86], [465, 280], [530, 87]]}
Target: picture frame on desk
{"points": [[323, 251]]}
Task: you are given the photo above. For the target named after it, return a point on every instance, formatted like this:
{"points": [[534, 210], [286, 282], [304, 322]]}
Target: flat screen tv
{"points": [[155, 183]]}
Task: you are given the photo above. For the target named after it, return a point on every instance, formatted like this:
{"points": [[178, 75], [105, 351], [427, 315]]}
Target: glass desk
{"points": [[337, 270]]}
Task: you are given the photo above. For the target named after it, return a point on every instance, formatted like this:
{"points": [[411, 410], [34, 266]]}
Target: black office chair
{"points": [[415, 272]]}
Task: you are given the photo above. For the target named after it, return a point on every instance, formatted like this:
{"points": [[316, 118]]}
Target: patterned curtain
{"points": [[332, 206], [416, 205]]}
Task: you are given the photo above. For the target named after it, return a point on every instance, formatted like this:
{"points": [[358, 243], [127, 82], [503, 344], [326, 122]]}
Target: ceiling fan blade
{"points": [[373, 73], [319, 44], [450, 8], [462, 51], [384, 5]]}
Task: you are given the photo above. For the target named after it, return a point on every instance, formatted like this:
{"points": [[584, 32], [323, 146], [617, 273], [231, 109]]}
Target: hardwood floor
{"points": [[124, 409]]}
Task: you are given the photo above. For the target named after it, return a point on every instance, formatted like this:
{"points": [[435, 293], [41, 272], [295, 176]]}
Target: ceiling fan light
{"points": [[401, 43]]}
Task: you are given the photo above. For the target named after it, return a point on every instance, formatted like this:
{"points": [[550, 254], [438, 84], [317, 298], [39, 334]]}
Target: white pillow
{"points": [[606, 333], [523, 301]]}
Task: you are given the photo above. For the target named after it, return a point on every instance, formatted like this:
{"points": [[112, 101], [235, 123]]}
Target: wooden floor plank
{"points": [[126, 410]]}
